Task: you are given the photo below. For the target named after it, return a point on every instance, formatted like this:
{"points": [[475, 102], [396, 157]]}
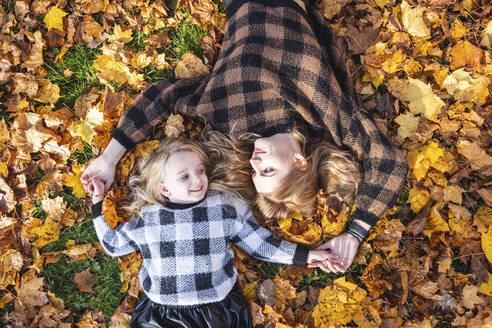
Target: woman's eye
{"points": [[268, 170], [201, 171], [184, 177]]}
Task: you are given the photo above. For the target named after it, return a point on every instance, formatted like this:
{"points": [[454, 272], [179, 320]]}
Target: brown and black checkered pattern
{"points": [[279, 67]]}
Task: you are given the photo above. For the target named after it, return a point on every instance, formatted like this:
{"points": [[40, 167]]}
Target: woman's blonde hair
{"points": [[328, 168], [146, 186]]}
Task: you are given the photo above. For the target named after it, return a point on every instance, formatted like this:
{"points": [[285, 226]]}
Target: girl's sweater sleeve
{"points": [[152, 107], [116, 242], [262, 245]]}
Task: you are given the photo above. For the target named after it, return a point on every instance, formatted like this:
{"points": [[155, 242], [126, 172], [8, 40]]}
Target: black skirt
{"points": [[231, 312]]}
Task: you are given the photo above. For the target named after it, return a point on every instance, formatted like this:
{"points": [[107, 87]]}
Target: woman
{"points": [[279, 68]]}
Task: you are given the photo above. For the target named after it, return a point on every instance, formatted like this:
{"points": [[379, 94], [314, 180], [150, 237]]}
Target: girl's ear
{"points": [[164, 191], [301, 161]]}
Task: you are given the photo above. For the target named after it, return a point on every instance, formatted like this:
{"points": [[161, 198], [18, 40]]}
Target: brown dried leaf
{"points": [[85, 280]]}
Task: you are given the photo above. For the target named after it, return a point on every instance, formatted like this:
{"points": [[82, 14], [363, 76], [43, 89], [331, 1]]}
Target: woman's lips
{"points": [[197, 190]]}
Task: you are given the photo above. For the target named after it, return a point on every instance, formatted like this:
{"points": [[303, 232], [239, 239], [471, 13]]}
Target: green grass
{"points": [[185, 38], [138, 41], [79, 61], [59, 276], [153, 74], [3, 311], [82, 233], [319, 277], [105, 296], [74, 202], [272, 269], [82, 156]]}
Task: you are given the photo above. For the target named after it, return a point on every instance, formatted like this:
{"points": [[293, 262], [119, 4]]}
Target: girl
{"points": [[279, 68], [183, 233]]}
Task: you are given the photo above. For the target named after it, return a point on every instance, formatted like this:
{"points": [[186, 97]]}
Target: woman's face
{"points": [[273, 159]]}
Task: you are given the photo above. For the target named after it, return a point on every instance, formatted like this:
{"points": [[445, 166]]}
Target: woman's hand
{"points": [[342, 252], [101, 169]]}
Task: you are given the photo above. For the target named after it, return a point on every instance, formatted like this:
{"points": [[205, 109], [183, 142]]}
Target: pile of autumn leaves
{"points": [[423, 70]]}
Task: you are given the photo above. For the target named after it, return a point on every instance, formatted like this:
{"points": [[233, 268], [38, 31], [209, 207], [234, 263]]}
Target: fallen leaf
{"points": [[54, 18], [464, 87], [466, 54], [174, 126], [420, 98], [470, 297], [413, 21], [476, 156], [487, 36], [486, 288], [408, 125], [418, 198], [85, 280], [487, 243], [190, 66]]}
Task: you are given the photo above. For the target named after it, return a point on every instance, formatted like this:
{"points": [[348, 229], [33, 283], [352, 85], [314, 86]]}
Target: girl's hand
{"points": [[342, 252], [98, 191]]}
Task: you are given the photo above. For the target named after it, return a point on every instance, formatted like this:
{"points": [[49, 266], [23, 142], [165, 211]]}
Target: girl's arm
{"points": [[261, 244], [116, 242]]}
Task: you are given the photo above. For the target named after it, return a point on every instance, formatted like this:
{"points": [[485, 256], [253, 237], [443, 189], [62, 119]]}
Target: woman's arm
{"points": [[151, 108]]}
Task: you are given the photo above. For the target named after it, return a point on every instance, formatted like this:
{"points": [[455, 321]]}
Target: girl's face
{"points": [[273, 159], [185, 180]]}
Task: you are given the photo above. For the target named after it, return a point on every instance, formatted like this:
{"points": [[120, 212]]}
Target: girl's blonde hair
{"points": [[329, 168], [146, 186]]}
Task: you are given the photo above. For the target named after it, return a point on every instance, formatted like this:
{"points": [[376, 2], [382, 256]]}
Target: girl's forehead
{"points": [[183, 159]]}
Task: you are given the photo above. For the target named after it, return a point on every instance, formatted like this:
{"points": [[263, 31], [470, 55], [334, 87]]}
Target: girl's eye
{"points": [[201, 171], [184, 177], [268, 170]]}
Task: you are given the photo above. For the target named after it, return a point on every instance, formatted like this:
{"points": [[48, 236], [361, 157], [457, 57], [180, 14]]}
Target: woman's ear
{"points": [[164, 191], [301, 161]]}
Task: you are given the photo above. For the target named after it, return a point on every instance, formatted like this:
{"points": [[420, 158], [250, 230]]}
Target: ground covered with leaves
{"points": [[422, 68]]}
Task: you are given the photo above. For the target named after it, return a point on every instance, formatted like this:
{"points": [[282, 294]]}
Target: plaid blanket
{"points": [[186, 255], [279, 67]]}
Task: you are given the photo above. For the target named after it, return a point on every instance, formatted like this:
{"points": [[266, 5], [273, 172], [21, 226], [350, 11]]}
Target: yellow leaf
{"points": [[337, 226], [144, 149], [249, 291], [47, 233], [476, 156], [421, 159], [59, 57], [190, 66], [457, 30], [338, 304], [463, 87], [435, 222], [408, 125], [120, 35], [487, 36], [418, 198], [47, 92], [453, 194], [11, 262], [74, 181], [112, 70], [487, 244], [54, 18], [413, 21], [421, 99], [486, 288]]}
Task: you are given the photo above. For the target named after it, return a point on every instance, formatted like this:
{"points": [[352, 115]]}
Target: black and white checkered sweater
{"points": [[186, 255]]}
